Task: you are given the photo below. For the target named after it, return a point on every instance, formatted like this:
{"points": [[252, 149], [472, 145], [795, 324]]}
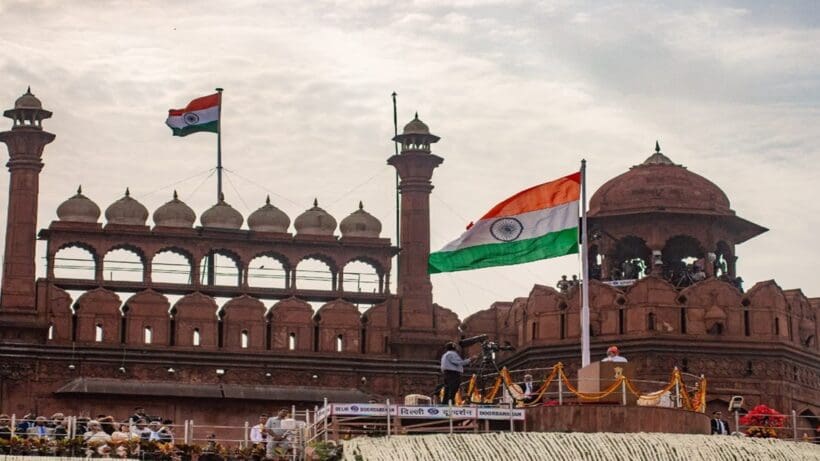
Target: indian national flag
{"points": [[201, 114], [538, 223]]}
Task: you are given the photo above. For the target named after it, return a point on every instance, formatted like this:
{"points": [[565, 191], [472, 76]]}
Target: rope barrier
{"points": [[696, 402]]}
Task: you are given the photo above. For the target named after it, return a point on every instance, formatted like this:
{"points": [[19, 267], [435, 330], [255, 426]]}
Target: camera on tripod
{"points": [[491, 347], [488, 348]]}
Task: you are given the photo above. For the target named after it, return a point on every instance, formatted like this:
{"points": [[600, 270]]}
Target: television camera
{"points": [[488, 348], [488, 351]]}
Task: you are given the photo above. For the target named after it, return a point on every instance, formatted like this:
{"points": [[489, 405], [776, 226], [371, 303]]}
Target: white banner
{"points": [[322, 413], [361, 409], [437, 412], [419, 412], [501, 413], [621, 283]]}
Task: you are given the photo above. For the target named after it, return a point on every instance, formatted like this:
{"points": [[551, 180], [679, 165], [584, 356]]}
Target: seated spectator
{"points": [[5, 427], [212, 446], [59, 425], [40, 430], [139, 413], [139, 428], [123, 434], [107, 423], [104, 451], [166, 431], [122, 452], [153, 432], [23, 425], [95, 435], [82, 425]]}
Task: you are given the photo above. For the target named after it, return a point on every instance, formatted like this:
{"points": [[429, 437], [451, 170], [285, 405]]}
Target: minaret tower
{"points": [[415, 165], [25, 142]]}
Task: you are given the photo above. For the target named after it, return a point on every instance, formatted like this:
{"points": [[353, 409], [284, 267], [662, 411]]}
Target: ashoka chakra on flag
{"points": [[538, 223], [201, 114]]}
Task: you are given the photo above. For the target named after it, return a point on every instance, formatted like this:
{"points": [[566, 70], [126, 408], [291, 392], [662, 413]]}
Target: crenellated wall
{"points": [[263, 329], [760, 344]]}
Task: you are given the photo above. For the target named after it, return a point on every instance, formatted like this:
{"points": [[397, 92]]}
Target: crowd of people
{"points": [[103, 435], [108, 437]]}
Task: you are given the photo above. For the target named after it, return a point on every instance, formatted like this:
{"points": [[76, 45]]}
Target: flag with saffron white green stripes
{"points": [[538, 223], [201, 114]]}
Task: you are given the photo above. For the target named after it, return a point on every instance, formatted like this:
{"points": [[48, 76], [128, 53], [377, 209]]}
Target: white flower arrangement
{"points": [[575, 446]]}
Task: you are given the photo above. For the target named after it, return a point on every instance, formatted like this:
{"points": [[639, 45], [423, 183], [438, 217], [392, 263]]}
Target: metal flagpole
{"points": [[584, 269], [210, 259], [219, 148], [398, 209]]}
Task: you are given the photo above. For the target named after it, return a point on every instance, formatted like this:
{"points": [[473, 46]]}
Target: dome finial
{"points": [[127, 192], [657, 146], [417, 115], [221, 196], [79, 189], [315, 202], [361, 205], [267, 200], [28, 90], [176, 197]]}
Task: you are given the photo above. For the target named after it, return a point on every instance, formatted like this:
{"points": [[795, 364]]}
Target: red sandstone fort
{"points": [[122, 343]]}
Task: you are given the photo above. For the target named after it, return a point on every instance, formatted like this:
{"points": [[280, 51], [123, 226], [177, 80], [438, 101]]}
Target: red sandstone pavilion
{"points": [[223, 364]]}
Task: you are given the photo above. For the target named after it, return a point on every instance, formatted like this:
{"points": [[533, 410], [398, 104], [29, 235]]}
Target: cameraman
{"points": [[452, 365]]}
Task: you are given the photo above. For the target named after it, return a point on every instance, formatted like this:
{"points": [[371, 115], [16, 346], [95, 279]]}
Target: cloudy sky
{"points": [[519, 91]]}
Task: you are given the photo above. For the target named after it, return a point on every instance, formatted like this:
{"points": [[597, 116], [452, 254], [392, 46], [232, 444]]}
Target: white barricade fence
{"points": [[420, 411]]}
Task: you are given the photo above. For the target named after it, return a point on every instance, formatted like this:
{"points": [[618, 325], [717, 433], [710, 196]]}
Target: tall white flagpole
{"points": [[584, 269]]}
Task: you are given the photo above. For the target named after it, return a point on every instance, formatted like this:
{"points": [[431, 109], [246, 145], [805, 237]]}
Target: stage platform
{"points": [[615, 418]]}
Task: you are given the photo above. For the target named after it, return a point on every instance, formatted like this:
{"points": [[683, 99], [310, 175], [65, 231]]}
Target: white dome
{"points": [[360, 224], [78, 208], [174, 214], [315, 221], [268, 218], [126, 211], [221, 216]]}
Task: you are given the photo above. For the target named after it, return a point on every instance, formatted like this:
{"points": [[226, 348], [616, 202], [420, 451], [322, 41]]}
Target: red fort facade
{"points": [[90, 344]]}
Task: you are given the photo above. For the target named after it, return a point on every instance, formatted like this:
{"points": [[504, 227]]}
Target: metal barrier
{"points": [[334, 422]]}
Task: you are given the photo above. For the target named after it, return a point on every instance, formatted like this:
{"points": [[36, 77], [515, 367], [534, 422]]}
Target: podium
{"points": [[598, 376]]}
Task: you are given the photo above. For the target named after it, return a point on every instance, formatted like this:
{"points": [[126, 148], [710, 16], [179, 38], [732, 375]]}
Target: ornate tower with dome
{"points": [[25, 141], [665, 287], [658, 214]]}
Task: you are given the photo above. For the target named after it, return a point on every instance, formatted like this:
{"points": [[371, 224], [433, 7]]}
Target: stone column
{"points": [[415, 289], [25, 142]]}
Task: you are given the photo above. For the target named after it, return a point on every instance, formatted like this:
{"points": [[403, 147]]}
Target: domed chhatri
{"points": [[416, 126], [658, 184], [78, 208], [174, 214], [360, 224], [28, 112], [268, 218], [126, 211], [416, 137], [315, 221], [28, 101], [221, 216]]}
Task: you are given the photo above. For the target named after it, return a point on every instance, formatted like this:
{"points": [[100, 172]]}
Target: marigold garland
{"points": [[696, 402]]}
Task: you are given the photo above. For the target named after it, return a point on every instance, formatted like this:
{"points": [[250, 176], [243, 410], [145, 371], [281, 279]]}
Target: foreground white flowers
{"points": [[576, 446]]}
